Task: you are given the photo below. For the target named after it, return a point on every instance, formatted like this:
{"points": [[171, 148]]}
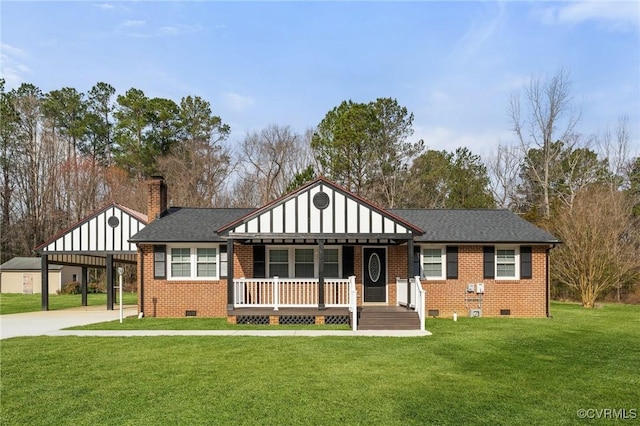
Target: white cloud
{"points": [[237, 102], [12, 66], [477, 34], [612, 15], [132, 23], [480, 142], [105, 6]]}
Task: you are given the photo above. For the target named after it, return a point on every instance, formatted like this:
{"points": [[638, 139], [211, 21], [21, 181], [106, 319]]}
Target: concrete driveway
{"points": [[44, 322]]}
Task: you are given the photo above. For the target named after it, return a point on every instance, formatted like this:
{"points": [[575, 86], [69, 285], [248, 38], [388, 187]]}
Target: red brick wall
{"points": [[525, 298], [156, 197]]}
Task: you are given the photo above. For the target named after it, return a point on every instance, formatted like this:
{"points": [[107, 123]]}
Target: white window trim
{"points": [[443, 262], [516, 251], [193, 258], [292, 258]]}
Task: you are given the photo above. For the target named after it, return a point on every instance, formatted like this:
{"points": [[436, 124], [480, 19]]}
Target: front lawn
{"points": [[14, 303], [474, 371]]}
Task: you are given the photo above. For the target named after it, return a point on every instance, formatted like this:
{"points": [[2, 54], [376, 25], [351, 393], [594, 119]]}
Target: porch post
{"points": [[109, 266], [83, 285], [410, 271], [230, 268], [321, 274], [44, 281]]}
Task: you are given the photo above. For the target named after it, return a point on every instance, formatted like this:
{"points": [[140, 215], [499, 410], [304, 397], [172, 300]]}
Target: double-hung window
{"points": [[433, 263], [181, 262], [193, 262], [506, 263], [331, 263], [279, 263], [304, 263], [206, 265]]}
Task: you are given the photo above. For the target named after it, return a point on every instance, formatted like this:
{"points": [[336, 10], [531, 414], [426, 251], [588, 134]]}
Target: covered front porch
{"points": [[290, 301], [320, 247]]}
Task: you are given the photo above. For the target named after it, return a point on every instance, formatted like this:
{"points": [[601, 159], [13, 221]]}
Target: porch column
{"points": [[83, 285], [321, 274], [410, 271], [230, 268], [44, 280], [109, 266]]}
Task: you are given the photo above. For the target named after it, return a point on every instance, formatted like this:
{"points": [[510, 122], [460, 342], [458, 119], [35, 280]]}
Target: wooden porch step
{"points": [[388, 318]]}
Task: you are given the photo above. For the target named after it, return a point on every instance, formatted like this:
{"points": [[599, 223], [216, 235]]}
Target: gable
{"points": [[107, 230], [321, 209]]}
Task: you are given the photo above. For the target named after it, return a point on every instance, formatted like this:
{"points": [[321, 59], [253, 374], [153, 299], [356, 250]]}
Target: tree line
{"points": [[65, 153]]}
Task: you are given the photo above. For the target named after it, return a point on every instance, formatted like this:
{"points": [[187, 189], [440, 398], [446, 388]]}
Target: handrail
{"points": [[353, 302], [421, 296]]}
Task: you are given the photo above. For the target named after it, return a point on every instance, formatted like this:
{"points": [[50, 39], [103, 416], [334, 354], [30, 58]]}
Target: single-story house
{"points": [[23, 275], [322, 250]]}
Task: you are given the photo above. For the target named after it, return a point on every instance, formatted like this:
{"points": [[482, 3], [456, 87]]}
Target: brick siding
{"points": [[524, 298]]}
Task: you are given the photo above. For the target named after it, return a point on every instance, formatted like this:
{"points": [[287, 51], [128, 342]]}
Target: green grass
{"points": [[148, 323], [11, 303], [474, 371]]}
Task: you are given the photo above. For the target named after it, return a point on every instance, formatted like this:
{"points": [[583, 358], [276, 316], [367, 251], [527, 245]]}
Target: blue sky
{"points": [[453, 64]]}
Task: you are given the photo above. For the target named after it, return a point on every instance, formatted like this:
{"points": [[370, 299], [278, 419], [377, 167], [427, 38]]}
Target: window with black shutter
{"points": [[347, 261], [452, 262], [259, 266], [489, 262], [526, 266], [159, 262]]}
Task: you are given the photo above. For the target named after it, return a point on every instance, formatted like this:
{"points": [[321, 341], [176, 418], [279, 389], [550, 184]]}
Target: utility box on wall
{"points": [[475, 313]]}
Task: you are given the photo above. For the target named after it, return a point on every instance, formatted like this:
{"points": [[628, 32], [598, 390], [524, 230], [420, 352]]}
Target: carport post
{"points": [[44, 272], [83, 285], [110, 277]]}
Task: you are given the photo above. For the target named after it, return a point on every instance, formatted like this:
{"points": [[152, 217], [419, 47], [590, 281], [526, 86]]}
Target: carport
{"points": [[101, 240]]}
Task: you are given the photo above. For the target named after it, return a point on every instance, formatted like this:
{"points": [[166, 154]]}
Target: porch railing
{"points": [[289, 292], [412, 295]]}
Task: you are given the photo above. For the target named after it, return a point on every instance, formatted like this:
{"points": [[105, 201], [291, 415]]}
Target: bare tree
{"points": [[271, 158], [503, 166], [600, 244], [546, 117], [615, 146]]}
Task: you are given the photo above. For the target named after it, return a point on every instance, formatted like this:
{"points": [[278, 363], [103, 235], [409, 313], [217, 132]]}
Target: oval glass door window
{"points": [[374, 267]]}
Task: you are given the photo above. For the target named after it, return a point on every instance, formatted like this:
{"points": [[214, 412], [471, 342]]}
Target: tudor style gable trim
{"points": [[320, 208], [106, 230]]}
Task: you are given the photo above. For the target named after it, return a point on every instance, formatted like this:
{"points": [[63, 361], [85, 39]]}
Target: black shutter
{"points": [[489, 262], [416, 261], [452, 262], [224, 264], [259, 265], [347, 261], [159, 262], [525, 262]]}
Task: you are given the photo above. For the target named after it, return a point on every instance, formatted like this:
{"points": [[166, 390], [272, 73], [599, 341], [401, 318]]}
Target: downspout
{"points": [[141, 278], [548, 282]]}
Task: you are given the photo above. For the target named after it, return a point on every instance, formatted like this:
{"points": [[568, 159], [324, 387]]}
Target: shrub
{"points": [[97, 287], [72, 287]]}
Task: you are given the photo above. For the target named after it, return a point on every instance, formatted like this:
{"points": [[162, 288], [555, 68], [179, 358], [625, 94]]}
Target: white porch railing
{"points": [[353, 302], [289, 292], [412, 295]]}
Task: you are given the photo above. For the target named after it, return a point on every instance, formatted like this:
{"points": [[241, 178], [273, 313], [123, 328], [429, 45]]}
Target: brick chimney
{"points": [[156, 197]]}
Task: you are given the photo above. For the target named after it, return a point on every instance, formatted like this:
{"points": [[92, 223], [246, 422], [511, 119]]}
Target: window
{"points": [[193, 262], [279, 263], [432, 263], [304, 263], [331, 263], [506, 263], [206, 262], [180, 262]]}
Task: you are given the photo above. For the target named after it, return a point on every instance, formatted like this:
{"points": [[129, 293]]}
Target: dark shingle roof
{"points": [[183, 224], [26, 264], [474, 226]]}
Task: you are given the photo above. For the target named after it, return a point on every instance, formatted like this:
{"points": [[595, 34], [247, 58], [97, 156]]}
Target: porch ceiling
{"points": [[347, 238]]}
